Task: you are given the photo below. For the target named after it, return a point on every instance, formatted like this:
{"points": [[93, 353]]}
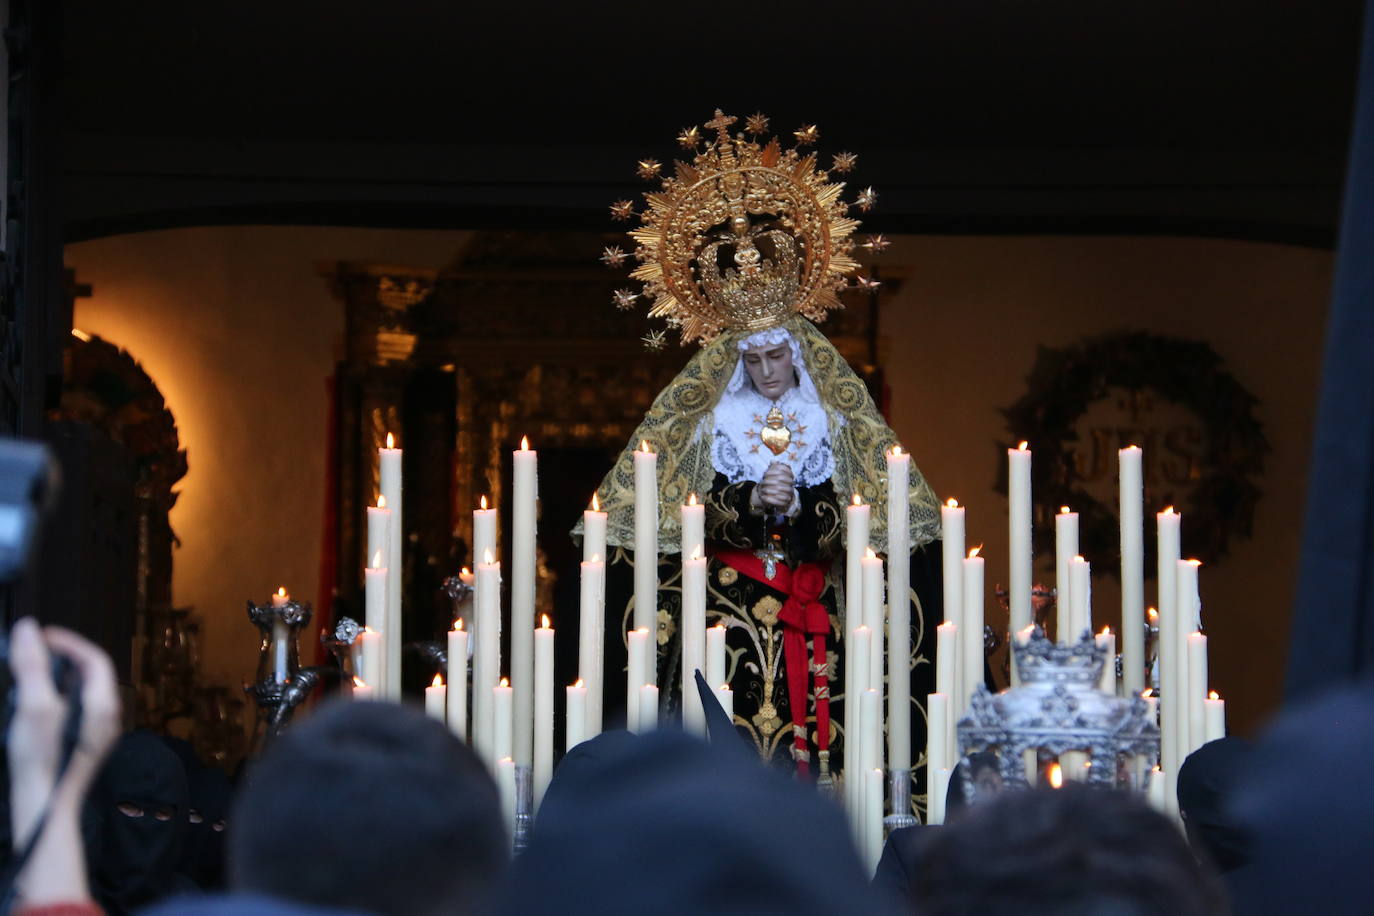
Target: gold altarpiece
{"points": [[517, 336]]}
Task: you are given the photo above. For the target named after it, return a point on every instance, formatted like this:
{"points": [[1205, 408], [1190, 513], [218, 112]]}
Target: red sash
{"points": [[802, 615]]}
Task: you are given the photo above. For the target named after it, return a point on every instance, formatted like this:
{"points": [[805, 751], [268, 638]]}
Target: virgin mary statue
{"points": [[742, 250]]}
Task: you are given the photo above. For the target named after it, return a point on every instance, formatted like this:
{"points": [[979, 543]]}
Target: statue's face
{"points": [[770, 369]]}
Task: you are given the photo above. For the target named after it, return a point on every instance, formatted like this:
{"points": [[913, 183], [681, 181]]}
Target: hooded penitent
{"points": [[138, 812]]}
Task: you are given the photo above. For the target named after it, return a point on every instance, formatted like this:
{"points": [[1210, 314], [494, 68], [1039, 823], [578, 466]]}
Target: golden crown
{"points": [[744, 237]]}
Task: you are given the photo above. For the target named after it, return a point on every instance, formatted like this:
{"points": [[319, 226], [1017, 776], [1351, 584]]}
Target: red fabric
{"points": [[802, 615], [83, 908]]}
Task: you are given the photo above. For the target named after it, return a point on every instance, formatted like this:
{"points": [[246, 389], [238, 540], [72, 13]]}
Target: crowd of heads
{"points": [[373, 808]]}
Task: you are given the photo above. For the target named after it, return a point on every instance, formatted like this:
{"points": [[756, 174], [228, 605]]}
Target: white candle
{"points": [[505, 790], [1021, 554], [971, 630], [636, 671], [1169, 649], [898, 610], [1197, 691], [715, 655], [872, 737], [946, 660], [1215, 718], [374, 615], [434, 699], [648, 708], [379, 534], [856, 518], [952, 554], [281, 637], [575, 733], [1132, 571], [591, 643], [389, 473], [938, 751], [1080, 599], [873, 615], [726, 697], [486, 661], [693, 519], [1147, 761], [361, 690], [1157, 793], [458, 679], [502, 703], [594, 531], [1185, 613], [524, 515], [646, 542], [936, 791], [1106, 640], [1065, 549], [483, 533], [859, 659], [543, 709], [370, 654], [873, 818], [693, 639]]}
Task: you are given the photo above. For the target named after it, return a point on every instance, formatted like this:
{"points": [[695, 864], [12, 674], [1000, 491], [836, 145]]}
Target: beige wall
{"points": [[964, 332], [240, 333]]}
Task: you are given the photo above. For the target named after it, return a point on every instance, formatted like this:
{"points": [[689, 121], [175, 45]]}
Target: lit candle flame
{"points": [[1022, 446], [1194, 562], [358, 682], [858, 500], [80, 335], [644, 446], [596, 503], [1168, 510], [377, 560], [896, 450], [578, 684], [543, 621], [483, 502], [390, 441], [465, 572], [974, 552], [1213, 695], [691, 499], [696, 552], [458, 625], [1131, 448], [596, 558], [1152, 613], [505, 682], [1078, 558], [952, 503], [1147, 693], [381, 501], [281, 591], [1056, 776], [869, 554], [437, 682], [1106, 631], [486, 557], [524, 443], [1063, 510]]}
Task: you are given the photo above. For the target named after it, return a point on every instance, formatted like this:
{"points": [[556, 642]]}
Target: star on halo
{"points": [[625, 299], [844, 162], [612, 256], [807, 135], [648, 168], [867, 198], [689, 138], [866, 284], [756, 123], [654, 340], [878, 243], [622, 209]]}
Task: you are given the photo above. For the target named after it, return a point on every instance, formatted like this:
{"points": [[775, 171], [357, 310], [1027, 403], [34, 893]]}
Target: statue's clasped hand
{"points": [[777, 489]]}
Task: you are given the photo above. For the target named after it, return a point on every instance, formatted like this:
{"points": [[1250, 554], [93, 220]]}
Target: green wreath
{"points": [[1064, 382]]}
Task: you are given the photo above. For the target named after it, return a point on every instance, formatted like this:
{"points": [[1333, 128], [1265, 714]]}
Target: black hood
{"points": [[133, 860], [1206, 785]]}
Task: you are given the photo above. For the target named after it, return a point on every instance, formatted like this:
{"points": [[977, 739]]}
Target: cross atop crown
{"points": [[720, 123]]}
